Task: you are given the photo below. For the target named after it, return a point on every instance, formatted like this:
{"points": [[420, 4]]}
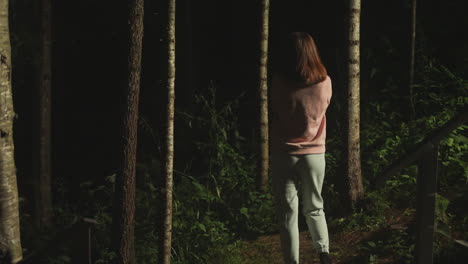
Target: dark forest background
{"points": [[217, 56]]}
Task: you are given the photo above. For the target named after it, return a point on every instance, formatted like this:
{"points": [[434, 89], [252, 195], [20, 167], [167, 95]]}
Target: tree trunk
{"points": [[42, 185], [171, 70], [356, 189], [124, 213], [412, 52], [263, 92], [10, 243]]}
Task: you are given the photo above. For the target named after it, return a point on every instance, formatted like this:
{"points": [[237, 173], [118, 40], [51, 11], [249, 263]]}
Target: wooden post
{"points": [[78, 244], [89, 224], [90, 256], [81, 243], [425, 206]]}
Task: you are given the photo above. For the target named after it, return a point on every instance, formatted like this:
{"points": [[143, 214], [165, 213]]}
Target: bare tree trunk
{"points": [[413, 46], [124, 213], [356, 189], [263, 91], [10, 242], [42, 185], [171, 71]]}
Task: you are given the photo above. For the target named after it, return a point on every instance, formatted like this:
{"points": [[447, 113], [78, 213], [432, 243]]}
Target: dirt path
{"points": [[345, 248], [266, 249]]}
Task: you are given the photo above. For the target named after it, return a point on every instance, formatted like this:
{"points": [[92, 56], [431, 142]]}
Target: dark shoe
{"points": [[325, 258]]}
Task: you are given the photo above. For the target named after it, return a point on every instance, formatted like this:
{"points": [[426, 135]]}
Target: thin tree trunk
{"points": [[263, 91], [171, 71], [412, 55], [123, 236], [43, 195], [356, 189], [10, 243]]}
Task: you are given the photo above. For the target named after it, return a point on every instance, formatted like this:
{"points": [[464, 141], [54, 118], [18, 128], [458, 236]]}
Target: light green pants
{"points": [[303, 174]]}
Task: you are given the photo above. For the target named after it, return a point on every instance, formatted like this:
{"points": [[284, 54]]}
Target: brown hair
{"points": [[297, 59]]}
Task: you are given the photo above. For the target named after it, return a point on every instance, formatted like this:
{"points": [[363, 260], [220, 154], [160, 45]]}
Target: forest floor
{"points": [[346, 247], [343, 249]]}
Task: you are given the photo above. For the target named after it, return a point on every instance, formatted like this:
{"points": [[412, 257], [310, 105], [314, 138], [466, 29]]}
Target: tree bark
{"points": [[42, 186], [356, 189], [10, 242], [124, 213], [171, 71], [263, 92]]}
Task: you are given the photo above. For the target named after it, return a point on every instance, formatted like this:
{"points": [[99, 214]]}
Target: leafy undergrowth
{"points": [[384, 244], [392, 241], [217, 208]]}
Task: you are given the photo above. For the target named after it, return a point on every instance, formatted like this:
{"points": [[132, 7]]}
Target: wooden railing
{"points": [[425, 155]]}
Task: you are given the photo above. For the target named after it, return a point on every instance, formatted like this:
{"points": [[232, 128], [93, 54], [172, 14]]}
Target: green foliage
{"points": [[370, 216], [216, 200], [216, 203], [441, 206], [230, 254], [397, 245], [387, 134]]}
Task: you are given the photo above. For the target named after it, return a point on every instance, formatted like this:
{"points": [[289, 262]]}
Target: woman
{"points": [[301, 93]]}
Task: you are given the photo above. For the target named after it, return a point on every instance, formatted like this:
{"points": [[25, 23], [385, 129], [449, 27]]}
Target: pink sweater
{"points": [[298, 116]]}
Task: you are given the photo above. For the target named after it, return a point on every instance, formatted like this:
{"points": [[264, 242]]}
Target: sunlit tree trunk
{"points": [[10, 243], [412, 55], [263, 92], [356, 189], [124, 213], [171, 70], [42, 185]]}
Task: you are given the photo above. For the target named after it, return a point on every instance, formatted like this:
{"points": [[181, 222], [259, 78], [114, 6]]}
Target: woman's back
{"points": [[299, 121]]}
